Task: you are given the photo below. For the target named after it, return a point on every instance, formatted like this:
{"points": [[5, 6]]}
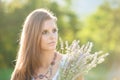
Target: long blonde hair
{"points": [[29, 49]]}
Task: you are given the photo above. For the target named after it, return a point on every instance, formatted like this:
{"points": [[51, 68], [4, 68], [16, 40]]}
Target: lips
{"points": [[52, 43]]}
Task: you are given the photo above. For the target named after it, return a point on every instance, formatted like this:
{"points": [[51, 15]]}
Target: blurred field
{"points": [[99, 73], [5, 74]]}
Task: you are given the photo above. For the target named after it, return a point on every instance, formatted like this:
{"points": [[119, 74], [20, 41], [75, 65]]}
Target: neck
{"points": [[46, 58]]}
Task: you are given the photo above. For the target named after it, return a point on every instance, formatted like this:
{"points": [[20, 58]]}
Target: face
{"points": [[49, 35]]}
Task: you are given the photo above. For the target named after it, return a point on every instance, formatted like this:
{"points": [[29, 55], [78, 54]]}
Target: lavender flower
{"points": [[78, 60]]}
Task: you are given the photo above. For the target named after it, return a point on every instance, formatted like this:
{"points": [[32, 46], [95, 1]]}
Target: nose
{"points": [[52, 35]]}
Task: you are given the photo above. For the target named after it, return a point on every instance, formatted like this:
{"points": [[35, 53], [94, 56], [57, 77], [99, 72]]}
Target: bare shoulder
{"points": [[60, 55]]}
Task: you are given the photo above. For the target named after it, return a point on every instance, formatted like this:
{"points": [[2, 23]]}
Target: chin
{"points": [[52, 48]]}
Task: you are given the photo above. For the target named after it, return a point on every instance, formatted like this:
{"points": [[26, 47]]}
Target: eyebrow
{"points": [[48, 29]]}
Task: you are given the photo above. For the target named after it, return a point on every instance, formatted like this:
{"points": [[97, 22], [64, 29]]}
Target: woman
{"points": [[37, 56]]}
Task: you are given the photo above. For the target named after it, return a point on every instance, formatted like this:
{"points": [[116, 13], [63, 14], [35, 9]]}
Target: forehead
{"points": [[48, 24]]}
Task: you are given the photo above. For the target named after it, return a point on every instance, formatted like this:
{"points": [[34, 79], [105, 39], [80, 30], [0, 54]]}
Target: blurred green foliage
{"points": [[102, 28]]}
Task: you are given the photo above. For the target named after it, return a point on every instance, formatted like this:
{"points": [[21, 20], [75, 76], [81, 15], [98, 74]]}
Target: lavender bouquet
{"points": [[78, 60]]}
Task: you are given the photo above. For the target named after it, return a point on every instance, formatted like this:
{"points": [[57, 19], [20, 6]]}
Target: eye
{"points": [[55, 30], [45, 32]]}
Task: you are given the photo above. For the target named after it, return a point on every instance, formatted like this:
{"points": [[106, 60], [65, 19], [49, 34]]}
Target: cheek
{"points": [[43, 43], [44, 40], [56, 36]]}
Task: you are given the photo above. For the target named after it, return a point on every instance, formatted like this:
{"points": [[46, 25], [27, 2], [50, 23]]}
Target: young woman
{"points": [[37, 57]]}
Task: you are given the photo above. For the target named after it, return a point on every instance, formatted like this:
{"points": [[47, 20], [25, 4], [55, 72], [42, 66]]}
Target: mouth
{"points": [[52, 43]]}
